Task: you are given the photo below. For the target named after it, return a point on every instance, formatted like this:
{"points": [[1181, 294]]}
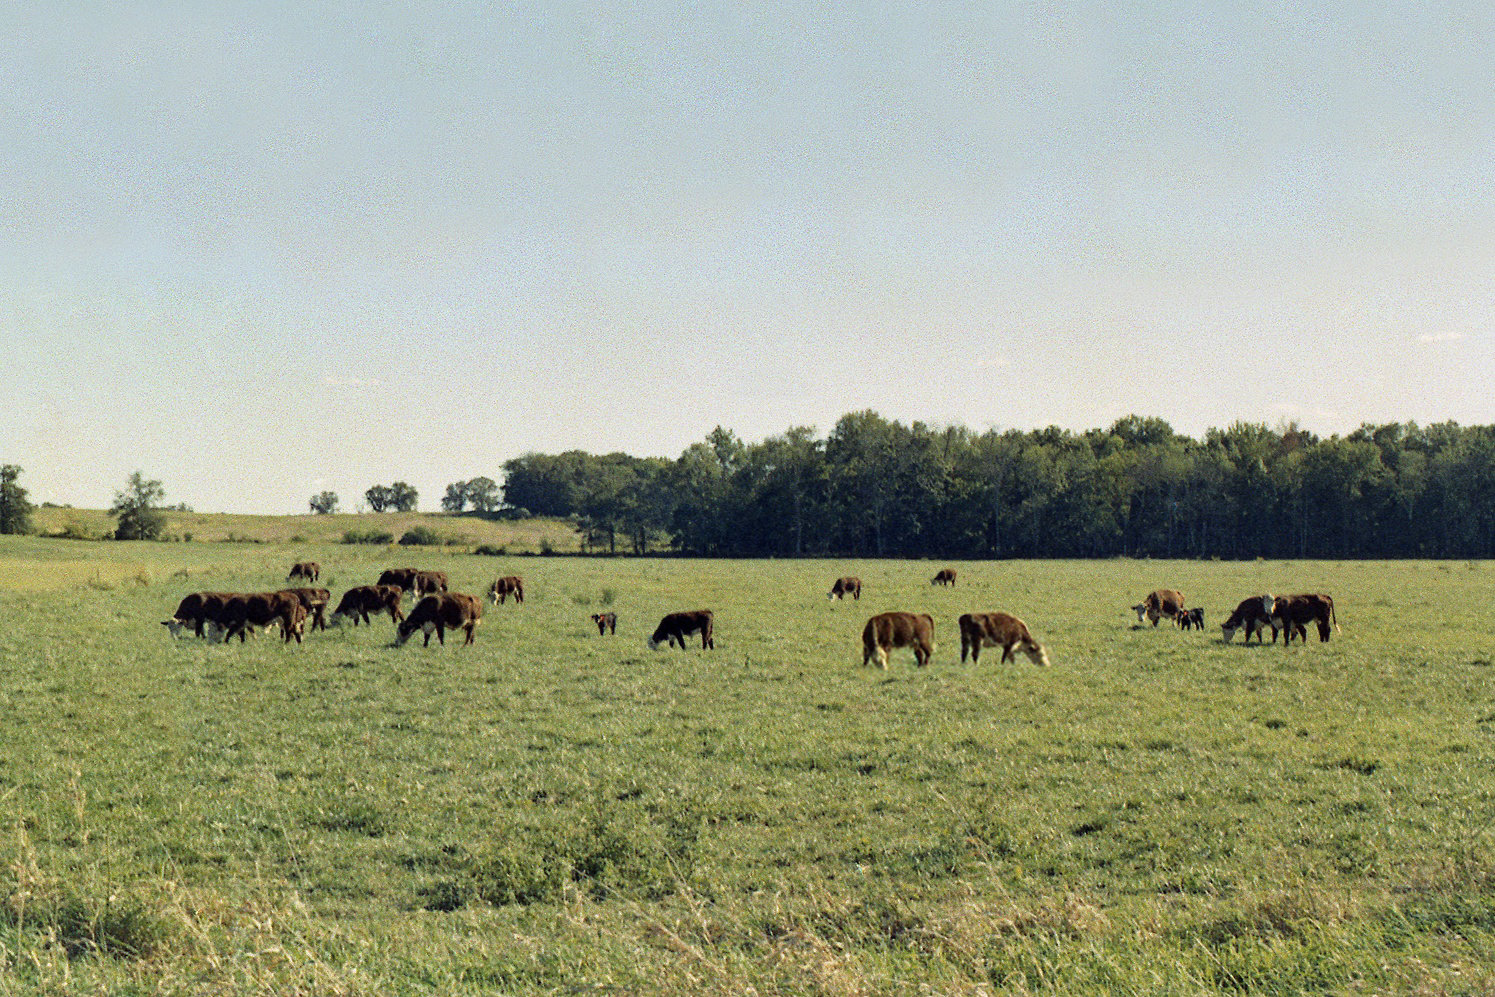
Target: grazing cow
{"points": [[1255, 614], [944, 576], [262, 609], [429, 582], [195, 610], [1292, 612], [361, 600], [675, 627], [315, 601], [309, 570], [505, 587], [403, 577], [849, 585], [1160, 603], [978, 630], [886, 631], [1191, 618], [454, 610], [605, 622]]}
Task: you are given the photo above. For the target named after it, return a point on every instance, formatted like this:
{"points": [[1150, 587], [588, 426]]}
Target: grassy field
{"points": [[550, 811], [517, 536]]}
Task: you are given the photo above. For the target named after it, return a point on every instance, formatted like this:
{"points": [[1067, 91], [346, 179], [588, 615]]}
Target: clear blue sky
{"points": [[259, 250]]}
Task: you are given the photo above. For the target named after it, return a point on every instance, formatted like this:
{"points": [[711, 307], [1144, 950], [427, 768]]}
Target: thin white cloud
{"points": [[989, 362], [1440, 337], [333, 381]]}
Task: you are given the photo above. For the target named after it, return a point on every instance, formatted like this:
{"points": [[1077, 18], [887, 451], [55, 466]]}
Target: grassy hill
{"points": [[515, 536]]}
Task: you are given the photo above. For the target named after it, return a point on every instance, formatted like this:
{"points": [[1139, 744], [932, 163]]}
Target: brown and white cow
{"points": [[846, 585], [1158, 604], [361, 600], [441, 612], [504, 587], [429, 582], [944, 576], [1292, 612], [309, 570], [675, 627], [1255, 615], [315, 600], [262, 609], [978, 630], [197, 610], [1192, 618], [885, 631], [605, 622]]}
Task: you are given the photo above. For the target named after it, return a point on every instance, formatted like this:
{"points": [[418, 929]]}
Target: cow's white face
{"points": [[1227, 632], [1267, 602], [1037, 655], [336, 619], [653, 644], [175, 626], [1141, 610]]}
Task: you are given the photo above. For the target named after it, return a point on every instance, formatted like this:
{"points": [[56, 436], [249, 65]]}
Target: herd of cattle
{"points": [[219, 616]]}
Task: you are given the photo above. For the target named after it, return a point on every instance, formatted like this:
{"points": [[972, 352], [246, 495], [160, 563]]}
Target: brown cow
{"points": [[675, 627], [361, 600], [504, 587], [978, 630], [1160, 603], [849, 585], [605, 622], [429, 582], [309, 570], [262, 609], [944, 576], [197, 609], [440, 611], [1291, 612], [403, 577], [886, 631], [1255, 614], [315, 601]]}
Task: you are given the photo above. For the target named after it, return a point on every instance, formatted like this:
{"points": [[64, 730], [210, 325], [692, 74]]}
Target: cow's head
{"points": [[1141, 610], [1267, 602], [1036, 653], [176, 626]]}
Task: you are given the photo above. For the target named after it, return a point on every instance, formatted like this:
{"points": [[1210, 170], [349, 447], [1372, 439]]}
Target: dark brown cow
{"points": [[309, 570], [196, 610], [403, 577], [605, 622], [849, 585], [675, 627], [315, 601], [978, 630], [454, 610], [944, 576], [1160, 603], [361, 600], [505, 587], [1191, 618], [886, 631], [429, 582], [262, 609], [1292, 612], [1255, 615]]}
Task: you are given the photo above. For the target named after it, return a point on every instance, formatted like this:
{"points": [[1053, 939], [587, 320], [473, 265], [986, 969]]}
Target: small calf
{"points": [[606, 622]]}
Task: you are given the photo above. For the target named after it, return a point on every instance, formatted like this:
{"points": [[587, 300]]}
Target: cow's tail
{"points": [[1333, 618]]}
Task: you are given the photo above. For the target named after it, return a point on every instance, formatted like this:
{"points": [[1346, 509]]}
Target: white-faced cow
{"points": [[504, 587], [978, 630], [429, 583], [944, 576], [196, 611], [846, 585], [887, 631], [441, 612], [1158, 604], [1255, 615], [675, 627], [310, 570], [262, 609], [1293, 612], [315, 600], [361, 600]]}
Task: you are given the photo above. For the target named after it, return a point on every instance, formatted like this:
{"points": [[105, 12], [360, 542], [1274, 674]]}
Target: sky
{"points": [[259, 250]]}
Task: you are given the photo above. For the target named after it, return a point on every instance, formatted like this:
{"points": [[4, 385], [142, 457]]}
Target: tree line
{"points": [[875, 487]]}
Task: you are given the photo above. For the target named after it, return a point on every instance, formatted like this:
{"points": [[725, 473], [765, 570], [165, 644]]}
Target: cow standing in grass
{"points": [[1293, 612], [944, 576], [442, 612], [849, 585], [1158, 604], [309, 570], [675, 627], [361, 600], [606, 622], [978, 630], [1255, 615], [197, 610], [887, 631], [315, 600], [504, 587]]}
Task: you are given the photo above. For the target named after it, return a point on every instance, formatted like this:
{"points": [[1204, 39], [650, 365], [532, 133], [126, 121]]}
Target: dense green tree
{"points": [[379, 498], [15, 508], [324, 503], [135, 510]]}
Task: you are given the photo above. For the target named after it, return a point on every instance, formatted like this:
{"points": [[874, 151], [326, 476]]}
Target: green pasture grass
{"points": [[517, 536], [550, 811]]}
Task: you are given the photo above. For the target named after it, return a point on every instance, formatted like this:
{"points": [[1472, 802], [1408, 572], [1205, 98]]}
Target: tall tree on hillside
{"points": [[402, 497], [324, 503], [136, 510], [482, 494], [455, 499], [379, 498], [15, 509]]}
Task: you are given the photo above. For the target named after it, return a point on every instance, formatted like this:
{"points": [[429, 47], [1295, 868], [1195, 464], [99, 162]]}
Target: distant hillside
{"points": [[516, 536]]}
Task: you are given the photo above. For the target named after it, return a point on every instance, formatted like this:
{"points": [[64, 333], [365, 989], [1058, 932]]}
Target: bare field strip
{"points": [[550, 811]]}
